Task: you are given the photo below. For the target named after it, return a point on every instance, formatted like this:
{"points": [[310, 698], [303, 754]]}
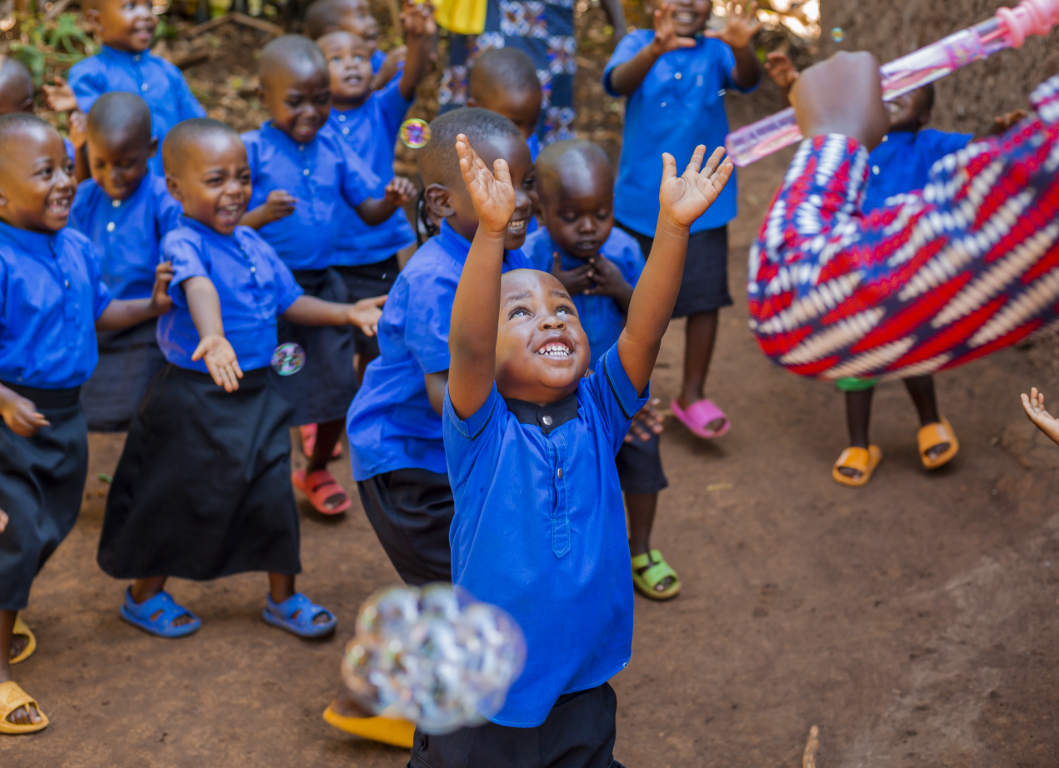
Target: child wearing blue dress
{"points": [[530, 442], [125, 210]]}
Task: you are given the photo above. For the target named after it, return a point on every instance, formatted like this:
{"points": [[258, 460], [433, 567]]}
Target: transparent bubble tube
{"points": [[1009, 28]]}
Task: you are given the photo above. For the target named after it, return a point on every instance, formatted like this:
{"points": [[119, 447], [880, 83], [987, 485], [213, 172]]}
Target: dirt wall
{"points": [[968, 99]]}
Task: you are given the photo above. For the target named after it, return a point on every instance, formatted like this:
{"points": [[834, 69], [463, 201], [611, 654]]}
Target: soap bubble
{"points": [[433, 656], [288, 359], [837, 34], [415, 133]]}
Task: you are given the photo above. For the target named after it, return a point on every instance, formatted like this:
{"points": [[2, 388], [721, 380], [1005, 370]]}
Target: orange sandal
{"points": [[863, 460], [933, 435], [319, 487]]}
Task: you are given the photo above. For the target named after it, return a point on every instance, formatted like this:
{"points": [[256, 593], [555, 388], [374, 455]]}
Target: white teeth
{"points": [[555, 349], [517, 226]]}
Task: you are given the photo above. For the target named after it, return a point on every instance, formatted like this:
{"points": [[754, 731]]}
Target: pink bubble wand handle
{"points": [[1009, 28]]}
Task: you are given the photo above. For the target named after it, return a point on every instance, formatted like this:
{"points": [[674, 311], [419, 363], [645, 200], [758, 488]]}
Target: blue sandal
{"points": [[282, 615], [139, 615]]}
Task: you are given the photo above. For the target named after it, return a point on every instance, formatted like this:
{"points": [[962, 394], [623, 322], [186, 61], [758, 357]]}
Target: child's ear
{"points": [[438, 201], [3, 198], [152, 148], [173, 186]]}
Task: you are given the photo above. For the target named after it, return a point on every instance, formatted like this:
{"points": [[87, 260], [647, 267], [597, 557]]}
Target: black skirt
{"points": [[128, 361], [203, 486], [323, 389], [365, 281], [41, 482]]}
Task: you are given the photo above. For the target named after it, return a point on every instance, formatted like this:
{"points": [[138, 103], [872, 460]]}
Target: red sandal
{"points": [[319, 487]]}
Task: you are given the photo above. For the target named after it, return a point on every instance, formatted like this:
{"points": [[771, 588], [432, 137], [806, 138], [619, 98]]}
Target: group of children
{"points": [[495, 390]]}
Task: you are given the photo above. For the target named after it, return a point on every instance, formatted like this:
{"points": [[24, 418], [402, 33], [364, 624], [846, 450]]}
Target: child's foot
{"points": [[703, 417], [323, 491], [19, 712], [300, 616], [856, 465], [160, 616], [937, 444], [653, 577], [23, 642]]}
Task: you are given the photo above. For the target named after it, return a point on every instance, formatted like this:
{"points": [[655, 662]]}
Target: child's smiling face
{"points": [[578, 204], [127, 25], [119, 162], [689, 16], [541, 349], [37, 182], [349, 61], [212, 180], [298, 96]]}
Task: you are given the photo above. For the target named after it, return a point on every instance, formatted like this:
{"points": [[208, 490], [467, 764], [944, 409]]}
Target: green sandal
{"points": [[657, 570]]}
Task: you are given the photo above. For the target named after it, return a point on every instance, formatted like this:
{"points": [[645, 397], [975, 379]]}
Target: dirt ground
{"points": [[913, 620]]}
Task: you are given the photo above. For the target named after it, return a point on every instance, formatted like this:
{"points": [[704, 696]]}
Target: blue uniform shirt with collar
{"points": [[600, 316], [391, 423], [902, 162], [368, 133], [127, 233], [679, 106], [152, 78], [51, 294], [539, 530], [322, 178], [254, 287]]}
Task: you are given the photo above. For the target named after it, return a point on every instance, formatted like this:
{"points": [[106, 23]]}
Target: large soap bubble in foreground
{"points": [[433, 656]]}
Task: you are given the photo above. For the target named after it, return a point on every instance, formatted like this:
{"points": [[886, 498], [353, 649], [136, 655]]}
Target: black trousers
{"points": [[579, 733]]}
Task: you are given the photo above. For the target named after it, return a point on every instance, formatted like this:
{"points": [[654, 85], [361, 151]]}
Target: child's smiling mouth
{"points": [[557, 349], [517, 226]]}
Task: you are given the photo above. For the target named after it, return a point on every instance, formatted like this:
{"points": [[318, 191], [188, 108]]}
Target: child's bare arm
{"points": [[741, 25], [628, 76], [121, 314], [683, 199], [309, 310], [389, 68], [476, 309], [436, 383], [400, 191], [419, 36], [781, 70], [20, 414], [214, 350], [1044, 421]]}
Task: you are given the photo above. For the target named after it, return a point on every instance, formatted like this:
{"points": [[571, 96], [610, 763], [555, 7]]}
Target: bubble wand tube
{"points": [[1007, 29]]}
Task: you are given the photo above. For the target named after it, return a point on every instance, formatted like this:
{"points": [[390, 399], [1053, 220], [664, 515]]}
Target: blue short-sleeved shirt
{"points": [[323, 180], [254, 287], [51, 295], [901, 163], [539, 530], [369, 133], [126, 233], [679, 106], [152, 78], [600, 316], [391, 423]]}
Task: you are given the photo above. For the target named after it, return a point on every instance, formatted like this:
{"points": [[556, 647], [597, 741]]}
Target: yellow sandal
{"points": [[863, 460], [22, 629], [933, 435], [397, 733], [12, 697]]}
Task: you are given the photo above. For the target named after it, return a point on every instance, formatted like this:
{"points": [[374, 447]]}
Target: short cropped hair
{"points": [[502, 69], [438, 161], [573, 155], [290, 51], [118, 112], [188, 132], [323, 16]]}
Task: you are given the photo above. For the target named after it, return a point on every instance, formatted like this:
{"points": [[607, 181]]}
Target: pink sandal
{"points": [[319, 487], [308, 433], [698, 415]]}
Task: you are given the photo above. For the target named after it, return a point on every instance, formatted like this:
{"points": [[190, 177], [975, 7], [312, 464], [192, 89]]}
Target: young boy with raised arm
{"points": [[530, 442]]}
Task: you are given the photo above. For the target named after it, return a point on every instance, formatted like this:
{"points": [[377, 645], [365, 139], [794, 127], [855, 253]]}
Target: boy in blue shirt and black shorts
{"points": [[126, 211], [599, 266], [675, 78], [530, 441]]}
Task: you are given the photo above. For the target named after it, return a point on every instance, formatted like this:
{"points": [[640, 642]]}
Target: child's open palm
{"points": [[217, 353], [781, 69], [491, 192], [686, 197], [1034, 407], [666, 38], [741, 24]]}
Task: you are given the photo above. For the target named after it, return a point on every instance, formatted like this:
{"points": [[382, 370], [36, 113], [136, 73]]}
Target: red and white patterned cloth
{"points": [[933, 279]]}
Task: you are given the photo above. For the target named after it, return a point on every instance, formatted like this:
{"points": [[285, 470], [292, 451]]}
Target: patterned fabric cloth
{"points": [[933, 279], [544, 30]]}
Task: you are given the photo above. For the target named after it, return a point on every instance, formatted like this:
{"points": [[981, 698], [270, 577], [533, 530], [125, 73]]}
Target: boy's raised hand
{"points": [[1035, 411], [491, 192], [21, 415], [400, 191], [685, 198], [160, 301], [365, 314], [741, 24], [781, 69], [59, 97], [220, 360], [417, 20], [666, 38]]}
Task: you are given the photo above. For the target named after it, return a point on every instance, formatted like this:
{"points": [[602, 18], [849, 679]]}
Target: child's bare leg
{"points": [[699, 337], [327, 436], [921, 390], [12, 646], [281, 588], [143, 590], [858, 419], [362, 365], [642, 508]]}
